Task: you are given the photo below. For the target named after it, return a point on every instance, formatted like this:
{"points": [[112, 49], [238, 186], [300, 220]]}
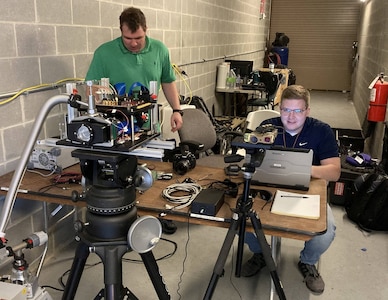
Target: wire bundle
{"points": [[39, 87], [187, 193]]}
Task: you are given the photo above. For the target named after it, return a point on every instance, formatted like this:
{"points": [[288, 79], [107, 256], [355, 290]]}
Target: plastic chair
{"points": [[197, 129], [254, 118]]}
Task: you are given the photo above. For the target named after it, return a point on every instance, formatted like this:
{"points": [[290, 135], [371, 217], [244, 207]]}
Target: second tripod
{"points": [[242, 212]]}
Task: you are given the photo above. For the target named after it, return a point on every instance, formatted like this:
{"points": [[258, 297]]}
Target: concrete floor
{"points": [[354, 268]]}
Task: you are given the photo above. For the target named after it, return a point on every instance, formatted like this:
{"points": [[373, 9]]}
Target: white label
{"points": [[372, 97]]}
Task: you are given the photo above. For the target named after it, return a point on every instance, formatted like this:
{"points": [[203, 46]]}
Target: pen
{"points": [[286, 196]]}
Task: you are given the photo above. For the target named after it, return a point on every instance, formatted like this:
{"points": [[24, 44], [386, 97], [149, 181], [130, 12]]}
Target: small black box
{"points": [[349, 139], [340, 190], [208, 202]]}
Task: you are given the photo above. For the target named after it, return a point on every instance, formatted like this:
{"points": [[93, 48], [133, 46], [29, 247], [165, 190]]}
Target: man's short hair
{"points": [[133, 18], [296, 92]]}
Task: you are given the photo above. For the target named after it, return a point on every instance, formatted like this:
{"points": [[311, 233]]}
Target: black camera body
{"points": [[183, 162]]}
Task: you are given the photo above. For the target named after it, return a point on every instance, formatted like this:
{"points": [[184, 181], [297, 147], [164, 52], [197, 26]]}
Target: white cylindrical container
{"points": [[155, 111], [272, 67], [222, 73]]}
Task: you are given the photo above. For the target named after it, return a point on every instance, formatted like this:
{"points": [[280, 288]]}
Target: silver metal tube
{"points": [[21, 168]]}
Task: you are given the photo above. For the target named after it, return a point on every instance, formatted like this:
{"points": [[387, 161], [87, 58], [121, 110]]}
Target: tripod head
{"points": [[254, 157], [255, 153], [110, 170], [111, 180]]}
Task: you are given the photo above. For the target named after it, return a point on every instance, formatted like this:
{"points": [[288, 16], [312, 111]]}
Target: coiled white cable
{"points": [[188, 193]]}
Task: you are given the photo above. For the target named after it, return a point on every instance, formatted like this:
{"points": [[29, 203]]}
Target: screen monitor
{"points": [[242, 67]]}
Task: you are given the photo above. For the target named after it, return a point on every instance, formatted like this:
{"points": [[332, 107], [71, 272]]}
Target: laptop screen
{"points": [[285, 167]]}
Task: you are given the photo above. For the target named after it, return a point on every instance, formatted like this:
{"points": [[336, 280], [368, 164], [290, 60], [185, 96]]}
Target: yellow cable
{"points": [[70, 79], [180, 72], [31, 88], [188, 87], [23, 91]]}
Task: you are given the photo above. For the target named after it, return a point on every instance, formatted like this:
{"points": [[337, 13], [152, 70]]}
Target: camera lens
{"points": [[182, 166]]}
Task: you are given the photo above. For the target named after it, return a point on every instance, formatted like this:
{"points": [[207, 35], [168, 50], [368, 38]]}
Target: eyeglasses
{"points": [[297, 111]]}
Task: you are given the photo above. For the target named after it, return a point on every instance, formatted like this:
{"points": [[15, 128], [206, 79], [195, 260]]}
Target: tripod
{"points": [[110, 213], [238, 224]]}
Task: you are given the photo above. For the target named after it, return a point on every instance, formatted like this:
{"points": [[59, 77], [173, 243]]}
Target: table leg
{"points": [[228, 106], [234, 104], [276, 251]]}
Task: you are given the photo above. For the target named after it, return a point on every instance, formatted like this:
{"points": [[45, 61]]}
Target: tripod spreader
{"points": [[243, 206]]}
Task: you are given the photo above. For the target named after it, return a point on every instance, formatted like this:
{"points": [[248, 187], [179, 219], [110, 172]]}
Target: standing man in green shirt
{"points": [[135, 57]]}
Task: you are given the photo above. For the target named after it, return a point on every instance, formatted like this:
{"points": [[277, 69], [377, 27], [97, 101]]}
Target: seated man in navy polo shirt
{"points": [[298, 130]]}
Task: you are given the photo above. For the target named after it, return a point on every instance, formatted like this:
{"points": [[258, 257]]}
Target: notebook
{"points": [[296, 205], [286, 168]]}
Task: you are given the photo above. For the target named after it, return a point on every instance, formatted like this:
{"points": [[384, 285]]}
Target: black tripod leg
{"points": [[81, 255], [153, 271], [240, 248], [266, 250], [220, 263], [111, 257]]}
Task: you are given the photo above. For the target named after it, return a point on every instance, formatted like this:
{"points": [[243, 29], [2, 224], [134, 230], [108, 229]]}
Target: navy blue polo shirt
{"points": [[315, 135]]}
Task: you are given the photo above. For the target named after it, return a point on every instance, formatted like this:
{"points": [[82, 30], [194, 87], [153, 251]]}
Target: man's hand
{"points": [[176, 121]]}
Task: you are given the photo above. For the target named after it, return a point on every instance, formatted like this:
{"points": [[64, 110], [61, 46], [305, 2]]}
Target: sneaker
{"points": [[253, 265], [314, 281]]}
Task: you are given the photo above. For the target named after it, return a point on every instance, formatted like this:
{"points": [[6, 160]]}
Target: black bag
{"points": [[291, 77], [367, 204]]}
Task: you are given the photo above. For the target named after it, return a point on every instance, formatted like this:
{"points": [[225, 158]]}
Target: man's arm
{"points": [[330, 169], [172, 96]]}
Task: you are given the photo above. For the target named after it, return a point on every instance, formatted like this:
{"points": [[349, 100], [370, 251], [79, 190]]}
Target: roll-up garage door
{"points": [[321, 33]]}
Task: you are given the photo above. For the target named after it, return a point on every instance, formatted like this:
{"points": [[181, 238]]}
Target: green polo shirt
{"points": [[112, 60]]}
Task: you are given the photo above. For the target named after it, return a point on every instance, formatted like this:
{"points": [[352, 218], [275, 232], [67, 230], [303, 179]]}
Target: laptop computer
{"points": [[285, 167]]}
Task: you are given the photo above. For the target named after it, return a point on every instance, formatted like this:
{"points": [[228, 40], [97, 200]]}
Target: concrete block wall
{"points": [[47, 41], [373, 59]]}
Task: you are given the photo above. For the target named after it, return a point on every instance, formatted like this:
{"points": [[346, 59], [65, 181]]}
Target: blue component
{"points": [[120, 88], [122, 125], [254, 139]]}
